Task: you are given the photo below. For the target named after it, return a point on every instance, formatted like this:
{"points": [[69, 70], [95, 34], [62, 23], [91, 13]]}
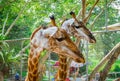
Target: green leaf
{"points": [[2, 57]]}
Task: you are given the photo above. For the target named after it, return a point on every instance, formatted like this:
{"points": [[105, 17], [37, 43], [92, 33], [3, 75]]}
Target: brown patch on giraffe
{"points": [[35, 71], [35, 46], [35, 78], [36, 65], [65, 75], [65, 67], [33, 75], [31, 54], [35, 59], [60, 76], [29, 77], [30, 65]]}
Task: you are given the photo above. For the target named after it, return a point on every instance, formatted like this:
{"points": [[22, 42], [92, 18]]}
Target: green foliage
{"points": [[116, 66], [54, 56], [46, 78], [37, 13], [34, 14], [7, 58], [109, 39], [2, 37]]}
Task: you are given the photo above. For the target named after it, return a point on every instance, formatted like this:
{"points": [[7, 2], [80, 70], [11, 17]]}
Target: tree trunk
{"points": [[104, 60], [115, 53], [1, 76]]}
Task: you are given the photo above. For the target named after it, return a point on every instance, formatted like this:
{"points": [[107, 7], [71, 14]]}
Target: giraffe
{"points": [[52, 39], [74, 28]]}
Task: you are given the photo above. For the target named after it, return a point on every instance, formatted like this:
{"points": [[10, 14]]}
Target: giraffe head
{"points": [[78, 29], [58, 41]]}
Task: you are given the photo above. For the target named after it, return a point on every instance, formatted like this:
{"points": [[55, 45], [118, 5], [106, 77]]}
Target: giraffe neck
{"points": [[62, 70], [64, 65], [33, 64]]}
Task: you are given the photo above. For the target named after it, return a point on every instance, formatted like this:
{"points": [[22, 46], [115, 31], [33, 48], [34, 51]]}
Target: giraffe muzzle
{"points": [[92, 38], [79, 57]]}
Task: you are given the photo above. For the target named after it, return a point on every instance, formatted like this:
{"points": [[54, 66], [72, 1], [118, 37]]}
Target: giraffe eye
{"points": [[77, 27], [60, 39]]}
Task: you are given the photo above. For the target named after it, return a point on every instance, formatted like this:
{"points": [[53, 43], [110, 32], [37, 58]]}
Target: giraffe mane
{"points": [[37, 29]]}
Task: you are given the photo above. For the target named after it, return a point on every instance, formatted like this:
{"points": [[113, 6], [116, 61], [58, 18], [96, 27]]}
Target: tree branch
{"points": [[89, 14], [103, 61], [80, 13], [19, 14], [96, 19], [115, 53], [99, 15], [13, 40], [23, 49], [83, 8]]}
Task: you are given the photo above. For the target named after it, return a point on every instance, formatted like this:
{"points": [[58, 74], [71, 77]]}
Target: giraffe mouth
{"points": [[80, 58], [77, 56]]}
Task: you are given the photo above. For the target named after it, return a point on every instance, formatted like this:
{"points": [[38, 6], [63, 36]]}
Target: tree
{"points": [[110, 59], [114, 53]]}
